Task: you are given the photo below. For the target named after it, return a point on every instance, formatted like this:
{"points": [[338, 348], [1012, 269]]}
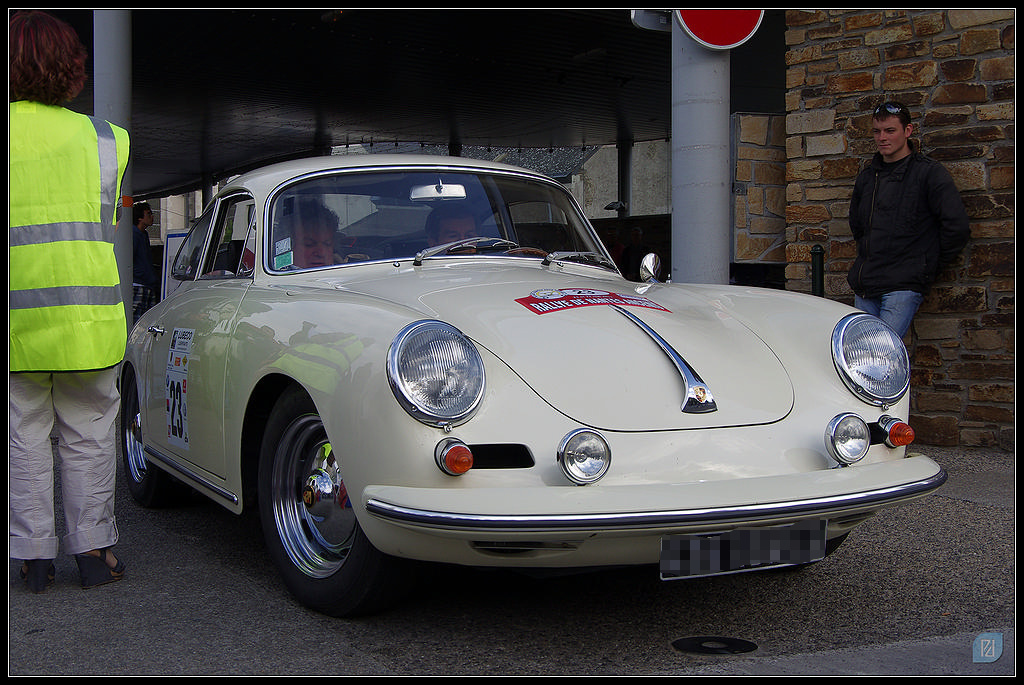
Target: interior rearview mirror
{"points": [[437, 191]]}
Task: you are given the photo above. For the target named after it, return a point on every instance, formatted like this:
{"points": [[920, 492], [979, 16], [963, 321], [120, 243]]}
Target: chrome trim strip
{"points": [[699, 399], [192, 476], [812, 507]]}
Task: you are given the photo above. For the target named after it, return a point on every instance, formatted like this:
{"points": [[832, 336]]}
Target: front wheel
{"points": [[309, 525], [149, 486]]}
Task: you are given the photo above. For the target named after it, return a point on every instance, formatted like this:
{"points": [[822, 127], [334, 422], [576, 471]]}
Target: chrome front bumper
{"points": [[769, 500]]}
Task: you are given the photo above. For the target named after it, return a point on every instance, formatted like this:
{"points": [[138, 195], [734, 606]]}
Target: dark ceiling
{"points": [[215, 92]]}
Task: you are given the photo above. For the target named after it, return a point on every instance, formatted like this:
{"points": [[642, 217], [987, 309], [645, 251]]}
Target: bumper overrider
{"points": [[572, 518]]}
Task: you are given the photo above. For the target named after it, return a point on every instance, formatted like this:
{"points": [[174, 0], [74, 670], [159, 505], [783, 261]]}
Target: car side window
{"points": [[234, 216], [190, 254], [306, 229], [248, 264]]}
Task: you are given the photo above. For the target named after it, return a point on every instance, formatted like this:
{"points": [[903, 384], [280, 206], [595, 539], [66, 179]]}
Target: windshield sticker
{"points": [[545, 301], [176, 387]]}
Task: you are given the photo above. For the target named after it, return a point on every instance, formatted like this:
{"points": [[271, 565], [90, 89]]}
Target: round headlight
{"points": [[584, 456], [871, 359], [847, 438], [436, 373]]}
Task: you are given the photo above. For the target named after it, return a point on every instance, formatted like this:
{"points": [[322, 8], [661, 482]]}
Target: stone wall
{"points": [[954, 70], [759, 188]]}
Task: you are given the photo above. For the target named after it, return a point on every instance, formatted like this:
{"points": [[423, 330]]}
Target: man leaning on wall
{"points": [[908, 219]]}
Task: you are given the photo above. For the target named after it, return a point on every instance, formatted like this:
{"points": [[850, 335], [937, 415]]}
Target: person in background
{"points": [[145, 283], [633, 254], [610, 238], [66, 317], [908, 220]]}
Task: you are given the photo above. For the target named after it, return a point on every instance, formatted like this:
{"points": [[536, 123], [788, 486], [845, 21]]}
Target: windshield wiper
{"points": [[584, 257], [476, 243]]}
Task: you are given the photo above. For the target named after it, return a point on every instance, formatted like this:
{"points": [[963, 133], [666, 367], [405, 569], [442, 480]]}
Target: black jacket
{"points": [[909, 221], [143, 272]]}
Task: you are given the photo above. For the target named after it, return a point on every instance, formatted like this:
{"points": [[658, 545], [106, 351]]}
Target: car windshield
{"points": [[345, 218]]}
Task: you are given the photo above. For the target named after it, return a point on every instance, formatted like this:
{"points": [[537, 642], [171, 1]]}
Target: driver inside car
{"points": [[450, 223]]}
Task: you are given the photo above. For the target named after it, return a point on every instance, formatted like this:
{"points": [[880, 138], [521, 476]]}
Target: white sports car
{"points": [[403, 359]]}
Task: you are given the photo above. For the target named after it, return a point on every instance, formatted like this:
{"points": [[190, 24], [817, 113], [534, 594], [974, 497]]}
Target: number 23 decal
{"points": [[176, 387]]}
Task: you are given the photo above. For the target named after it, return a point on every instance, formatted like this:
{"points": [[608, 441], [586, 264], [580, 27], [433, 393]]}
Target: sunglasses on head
{"points": [[890, 107]]}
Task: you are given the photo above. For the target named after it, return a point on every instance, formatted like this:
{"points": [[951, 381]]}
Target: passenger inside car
{"points": [[312, 227]]}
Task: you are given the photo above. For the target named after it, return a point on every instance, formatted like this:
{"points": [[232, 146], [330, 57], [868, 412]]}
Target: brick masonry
{"points": [[954, 70]]}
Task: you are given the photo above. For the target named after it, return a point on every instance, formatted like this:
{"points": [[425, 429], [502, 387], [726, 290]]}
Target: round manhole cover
{"points": [[707, 644]]}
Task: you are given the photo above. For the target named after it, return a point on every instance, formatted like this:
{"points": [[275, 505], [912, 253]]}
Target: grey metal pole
{"points": [[112, 100], [625, 171], [701, 187]]}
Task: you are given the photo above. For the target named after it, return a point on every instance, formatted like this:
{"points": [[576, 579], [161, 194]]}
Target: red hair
{"points": [[46, 59]]}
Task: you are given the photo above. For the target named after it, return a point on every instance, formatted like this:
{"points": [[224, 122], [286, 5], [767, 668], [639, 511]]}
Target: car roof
{"points": [[263, 180]]}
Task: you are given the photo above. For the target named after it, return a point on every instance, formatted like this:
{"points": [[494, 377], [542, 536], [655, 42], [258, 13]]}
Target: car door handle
{"points": [[156, 330]]}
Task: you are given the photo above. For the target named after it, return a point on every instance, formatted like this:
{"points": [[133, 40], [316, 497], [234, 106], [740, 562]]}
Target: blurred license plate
{"points": [[690, 556]]}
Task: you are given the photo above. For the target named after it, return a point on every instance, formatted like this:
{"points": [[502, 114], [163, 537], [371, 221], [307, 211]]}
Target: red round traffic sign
{"points": [[720, 29]]}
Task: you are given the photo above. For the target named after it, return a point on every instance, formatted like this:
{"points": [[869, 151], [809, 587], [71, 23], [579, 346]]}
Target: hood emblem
{"points": [[699, 399]]}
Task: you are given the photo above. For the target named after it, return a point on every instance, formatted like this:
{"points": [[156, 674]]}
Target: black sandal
{"points": [[38, 574], [95, 570]]}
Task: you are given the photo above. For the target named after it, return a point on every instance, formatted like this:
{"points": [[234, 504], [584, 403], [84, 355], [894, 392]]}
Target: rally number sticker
{"points": [[176, 387], [556, 300]]}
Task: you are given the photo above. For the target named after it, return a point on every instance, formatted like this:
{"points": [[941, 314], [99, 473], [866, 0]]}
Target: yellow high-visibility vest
{"points": [[64, 298]]}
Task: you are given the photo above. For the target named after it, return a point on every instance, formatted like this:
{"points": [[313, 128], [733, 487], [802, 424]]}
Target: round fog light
{"points": [[847, 438], [584, 456]]}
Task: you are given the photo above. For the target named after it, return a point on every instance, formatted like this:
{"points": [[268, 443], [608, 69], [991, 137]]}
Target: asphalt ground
{"points": [[916, 590]]}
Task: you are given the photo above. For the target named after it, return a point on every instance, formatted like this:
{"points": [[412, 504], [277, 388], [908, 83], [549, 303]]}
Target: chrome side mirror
{"points": [[650, 268]]}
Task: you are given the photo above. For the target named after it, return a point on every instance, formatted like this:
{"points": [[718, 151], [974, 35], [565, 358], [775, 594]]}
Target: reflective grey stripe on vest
{"points": [[62, 296], [104, 231], [40, 234], [107, 144]]}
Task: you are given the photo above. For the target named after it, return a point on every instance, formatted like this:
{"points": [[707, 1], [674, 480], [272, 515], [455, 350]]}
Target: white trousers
{"points": [[83, 406]]}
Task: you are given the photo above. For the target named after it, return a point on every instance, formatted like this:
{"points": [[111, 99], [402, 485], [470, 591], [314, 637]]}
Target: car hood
{"points": [[568, 338]]}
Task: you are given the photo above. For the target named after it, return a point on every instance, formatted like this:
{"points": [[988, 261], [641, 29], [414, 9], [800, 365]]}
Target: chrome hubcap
{"points": [[314, 517], [134, 452]]}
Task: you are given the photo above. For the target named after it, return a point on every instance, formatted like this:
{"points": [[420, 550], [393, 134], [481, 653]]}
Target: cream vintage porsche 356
{"points": [[403, 359]]}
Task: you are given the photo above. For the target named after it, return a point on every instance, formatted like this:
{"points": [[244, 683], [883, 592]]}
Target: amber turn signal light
{"points": [[897, 433], [453, 457]]}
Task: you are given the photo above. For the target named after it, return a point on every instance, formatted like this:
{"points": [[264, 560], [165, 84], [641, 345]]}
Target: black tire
{"points": [[326, 561], [149, 485]]}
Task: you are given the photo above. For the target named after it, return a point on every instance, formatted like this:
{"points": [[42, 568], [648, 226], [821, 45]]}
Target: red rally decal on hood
{"points": [[544, 301]]}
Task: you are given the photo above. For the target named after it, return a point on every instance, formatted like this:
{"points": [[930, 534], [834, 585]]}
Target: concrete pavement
{"points": [[909, 593]]}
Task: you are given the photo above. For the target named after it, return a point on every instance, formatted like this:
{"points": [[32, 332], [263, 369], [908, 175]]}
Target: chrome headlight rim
{"points": [[404, 384], [879, 393]]}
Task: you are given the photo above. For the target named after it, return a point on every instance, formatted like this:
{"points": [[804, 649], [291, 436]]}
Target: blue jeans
{"points": [[896, 308]]}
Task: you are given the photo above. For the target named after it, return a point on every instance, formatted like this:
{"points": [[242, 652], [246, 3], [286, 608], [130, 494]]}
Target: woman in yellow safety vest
{"points": [[66, 316]]}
